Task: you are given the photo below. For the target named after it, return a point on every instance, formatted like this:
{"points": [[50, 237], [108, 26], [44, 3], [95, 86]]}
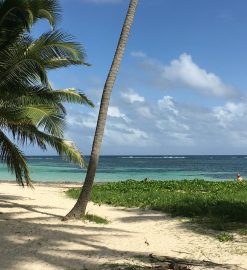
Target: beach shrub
{"points": [[217, 205]]}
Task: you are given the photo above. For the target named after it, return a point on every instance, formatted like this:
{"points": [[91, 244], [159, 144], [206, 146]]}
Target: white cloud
{"points": [[122, 134], [183, 72], [138, 54], [166, 126], [167, 103], [78, 120], [230, 113], [145, 112], [131, 96], [172, 124], [114, 111]]}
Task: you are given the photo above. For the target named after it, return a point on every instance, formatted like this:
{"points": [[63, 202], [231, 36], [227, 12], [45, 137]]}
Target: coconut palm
{"points": [[81, 204], [36, 121], [30, 110], [17, 16]]}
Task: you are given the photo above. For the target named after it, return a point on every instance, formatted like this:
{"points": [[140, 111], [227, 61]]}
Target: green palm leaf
{"points": [[12, 156], [17, 16], [30, 110], [56, 49], [71, 95], [65, 148], [47, 117]]}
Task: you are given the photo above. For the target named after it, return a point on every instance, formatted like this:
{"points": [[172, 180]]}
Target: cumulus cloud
{"points": [[132, 96], [184, 73], [79, 120], [167, 103], [114, 111], [230, 113], [171, 123], [164, 126]]}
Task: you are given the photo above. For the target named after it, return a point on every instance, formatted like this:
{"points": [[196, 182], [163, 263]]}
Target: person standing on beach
{"points": [[239, 178]]}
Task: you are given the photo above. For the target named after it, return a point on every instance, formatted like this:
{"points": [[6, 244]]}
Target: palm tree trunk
{"points": [[79, 208]]}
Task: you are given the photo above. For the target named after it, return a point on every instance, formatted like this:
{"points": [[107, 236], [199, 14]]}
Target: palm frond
{"points": [[56, 49], [17, 16], [18, 69], [47, 117], [26, 61], [46, 9], [72, 96], [25, 134], [43, 116], [12, 156], [30, 110], [66, 149], [43, 95]]}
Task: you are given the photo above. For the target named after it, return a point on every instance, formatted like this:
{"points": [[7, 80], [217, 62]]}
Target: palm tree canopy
{"points": [[30, 110], [18, 16]]}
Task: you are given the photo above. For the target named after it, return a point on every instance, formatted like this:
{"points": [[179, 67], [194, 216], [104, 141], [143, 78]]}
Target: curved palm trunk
{"points": [[81, 204]]}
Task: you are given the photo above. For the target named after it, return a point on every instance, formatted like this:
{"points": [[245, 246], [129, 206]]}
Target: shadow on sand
{"points": [[45, 239]]}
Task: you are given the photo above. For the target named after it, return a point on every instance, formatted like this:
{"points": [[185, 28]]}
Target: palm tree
{"points": [[37, 121], [30, 110], [81, 204], [18, 16]]}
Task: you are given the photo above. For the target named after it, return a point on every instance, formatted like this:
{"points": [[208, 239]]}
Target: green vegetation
{"points": [[243, 231], [95, 219], [225, 237], [30, 109], [215, 205]]}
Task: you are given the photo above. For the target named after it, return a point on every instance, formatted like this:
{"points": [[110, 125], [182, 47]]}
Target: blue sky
{"points": [[181, 88]]}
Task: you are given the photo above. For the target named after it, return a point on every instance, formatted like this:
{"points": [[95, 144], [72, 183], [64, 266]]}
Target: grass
{"points": [[217, 205], [225, 237], [243, 231], [95, 219]]}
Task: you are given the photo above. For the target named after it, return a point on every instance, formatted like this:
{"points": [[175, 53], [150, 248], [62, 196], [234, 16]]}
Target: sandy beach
{"points": [[33, 236]]}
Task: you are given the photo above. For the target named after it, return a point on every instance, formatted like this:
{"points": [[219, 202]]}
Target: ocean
{"points": [[116, 168]]}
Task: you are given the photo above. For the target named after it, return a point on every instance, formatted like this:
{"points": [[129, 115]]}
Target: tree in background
{"points": [[79, 208], [30, 110]]}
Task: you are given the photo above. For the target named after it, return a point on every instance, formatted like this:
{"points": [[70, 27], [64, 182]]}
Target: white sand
{"points": [[33, 236]]}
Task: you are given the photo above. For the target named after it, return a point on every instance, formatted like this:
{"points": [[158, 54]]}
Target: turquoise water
{"points": [[115, 168]]}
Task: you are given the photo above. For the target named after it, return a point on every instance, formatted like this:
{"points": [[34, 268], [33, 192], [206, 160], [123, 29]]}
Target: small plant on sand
{"points": [[225, 237], [95, 219], [243, 231]]}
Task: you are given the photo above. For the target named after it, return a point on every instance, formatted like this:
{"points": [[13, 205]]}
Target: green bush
{"points": [[218, 205]]}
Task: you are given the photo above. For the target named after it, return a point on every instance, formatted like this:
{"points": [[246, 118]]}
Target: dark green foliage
{"points": [[31, 111], [217, 205], [225, 237]]}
